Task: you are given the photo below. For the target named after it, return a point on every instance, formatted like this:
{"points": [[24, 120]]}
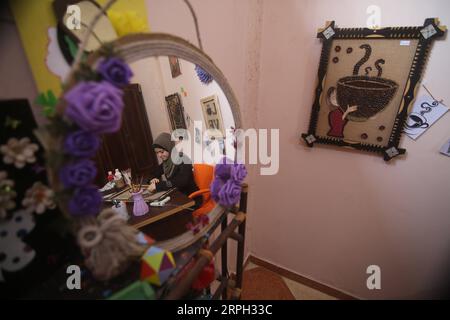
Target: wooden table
{"points": [[178, 202]]}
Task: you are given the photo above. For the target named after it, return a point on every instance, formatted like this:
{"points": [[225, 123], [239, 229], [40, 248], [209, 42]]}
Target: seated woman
{"points": [[179, 176]]}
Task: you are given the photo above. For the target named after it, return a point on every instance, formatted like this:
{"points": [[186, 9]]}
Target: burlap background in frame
{"points": [[398, 55]]}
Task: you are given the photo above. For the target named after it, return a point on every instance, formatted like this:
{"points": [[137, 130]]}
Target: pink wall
{"points": [[16, 81], [328, 214], [337, 212]]}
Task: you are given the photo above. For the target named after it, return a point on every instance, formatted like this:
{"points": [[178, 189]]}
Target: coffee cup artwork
{"points": [[366, 82], [358, 97]]}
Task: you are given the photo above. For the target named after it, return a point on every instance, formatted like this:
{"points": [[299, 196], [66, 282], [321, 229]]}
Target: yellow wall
{"points": [[33, 18]]}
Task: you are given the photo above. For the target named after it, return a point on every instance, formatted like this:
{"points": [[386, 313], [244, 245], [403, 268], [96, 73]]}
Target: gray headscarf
{"points": [[165, 142]]}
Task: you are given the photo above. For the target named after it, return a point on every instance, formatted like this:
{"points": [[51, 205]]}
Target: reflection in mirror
{"points": [[175, 97], [165, 94]]}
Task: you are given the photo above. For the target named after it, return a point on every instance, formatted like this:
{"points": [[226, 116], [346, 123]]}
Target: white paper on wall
{"points": [[425, 112], [445, 149]]}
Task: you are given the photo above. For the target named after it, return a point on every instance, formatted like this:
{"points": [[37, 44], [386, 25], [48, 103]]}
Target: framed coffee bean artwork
{"points": [[369, 87]]}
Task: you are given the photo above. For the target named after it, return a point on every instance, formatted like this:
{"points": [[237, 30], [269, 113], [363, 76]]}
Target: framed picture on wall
{"points": [[366, 82], [174, 66], [212, 116], [176, 112]]}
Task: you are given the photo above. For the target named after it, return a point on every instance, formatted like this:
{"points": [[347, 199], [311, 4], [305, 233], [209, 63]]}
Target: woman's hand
{"points": [[154, 180], [152, 186]]}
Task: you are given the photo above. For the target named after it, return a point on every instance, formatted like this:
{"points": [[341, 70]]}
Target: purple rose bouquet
{"points": [[91, 105], [85, 201], [238, 172], [229, 193], [226, 186], [81, 144], [215, 188], [222, 171], [78, 174], [95, 106], [115, 71]]}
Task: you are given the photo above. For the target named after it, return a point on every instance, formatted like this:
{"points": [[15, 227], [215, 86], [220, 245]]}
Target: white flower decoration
{"points": [[19, 152], [7, 194], [39, 198]]}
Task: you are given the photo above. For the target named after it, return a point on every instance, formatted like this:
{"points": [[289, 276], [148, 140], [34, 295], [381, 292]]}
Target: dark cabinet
{"points": [[131, 146]]}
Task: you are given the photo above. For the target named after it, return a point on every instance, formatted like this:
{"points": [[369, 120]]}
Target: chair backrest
{"points": [[203, 175]]}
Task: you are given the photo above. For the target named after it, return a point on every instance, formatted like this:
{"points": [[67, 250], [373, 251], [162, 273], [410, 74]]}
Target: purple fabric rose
{"points": [[226, 187], [215, 187], [78, 174], [238, 172], [81, 144], [95, 106], [222, 171], [229, 194], [115, 71], [85, 201]]}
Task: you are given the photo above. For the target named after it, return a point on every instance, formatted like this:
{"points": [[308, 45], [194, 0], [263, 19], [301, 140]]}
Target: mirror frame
{"points": [[138, 46]]}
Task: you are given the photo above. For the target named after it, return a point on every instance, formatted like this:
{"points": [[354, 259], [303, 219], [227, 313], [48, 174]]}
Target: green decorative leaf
{"points": [[51, 98], [73, 48], [48, 102]]}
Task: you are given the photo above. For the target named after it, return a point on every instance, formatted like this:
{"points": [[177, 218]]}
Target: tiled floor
{"points": [[261, 283]]}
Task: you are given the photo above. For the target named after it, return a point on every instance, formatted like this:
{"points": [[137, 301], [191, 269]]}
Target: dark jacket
{"points": [[182, 178]]}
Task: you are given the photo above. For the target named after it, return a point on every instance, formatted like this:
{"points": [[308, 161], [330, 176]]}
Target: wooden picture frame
{"points": [[176, 112], [366, 82], [213, 116], [175, 68]]}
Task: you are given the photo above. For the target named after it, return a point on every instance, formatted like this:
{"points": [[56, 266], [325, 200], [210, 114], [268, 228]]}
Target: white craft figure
{"points": [[121, 209], [127, 177]]}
